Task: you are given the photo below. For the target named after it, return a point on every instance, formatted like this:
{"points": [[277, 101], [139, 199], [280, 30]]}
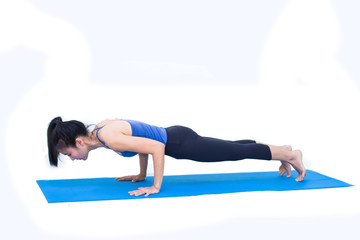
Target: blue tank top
{"points": [[140, 129]]}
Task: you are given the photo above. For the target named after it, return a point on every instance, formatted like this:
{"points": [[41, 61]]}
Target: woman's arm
{"points": [[146, 146], [143, 160], [116, 140]]}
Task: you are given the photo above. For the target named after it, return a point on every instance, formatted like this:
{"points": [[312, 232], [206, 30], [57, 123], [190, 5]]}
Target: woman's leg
{"points": [[184, 143], [206, 149]]}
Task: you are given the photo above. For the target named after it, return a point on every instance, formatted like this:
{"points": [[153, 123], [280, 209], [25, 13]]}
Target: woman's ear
{"points": [[79, 142]]}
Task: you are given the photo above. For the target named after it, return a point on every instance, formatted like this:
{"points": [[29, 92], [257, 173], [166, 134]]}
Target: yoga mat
{"points": [[98, 189]]}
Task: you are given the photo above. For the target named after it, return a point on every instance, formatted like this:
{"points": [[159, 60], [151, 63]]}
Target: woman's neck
{"points": [[91, 141]]}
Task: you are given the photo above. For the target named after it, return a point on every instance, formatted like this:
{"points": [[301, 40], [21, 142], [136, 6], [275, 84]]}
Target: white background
{"points": [[281, 72]]}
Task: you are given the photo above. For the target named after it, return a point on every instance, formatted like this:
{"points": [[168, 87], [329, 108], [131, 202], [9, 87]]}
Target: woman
{"points": [[129, 137]]}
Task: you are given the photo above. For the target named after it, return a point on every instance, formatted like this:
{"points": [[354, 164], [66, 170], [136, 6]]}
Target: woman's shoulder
{"points": [[108, 122], [103, 123], [113, 126]]}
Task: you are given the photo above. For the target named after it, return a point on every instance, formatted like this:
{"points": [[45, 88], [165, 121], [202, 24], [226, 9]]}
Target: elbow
{"points": [[159, 150]]}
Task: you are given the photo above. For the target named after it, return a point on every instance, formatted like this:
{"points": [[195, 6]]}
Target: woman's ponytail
{"points": [[53, 140], [67, 132]]}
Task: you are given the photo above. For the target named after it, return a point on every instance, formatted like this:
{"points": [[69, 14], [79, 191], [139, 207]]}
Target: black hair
{"points": [[62, 134]]}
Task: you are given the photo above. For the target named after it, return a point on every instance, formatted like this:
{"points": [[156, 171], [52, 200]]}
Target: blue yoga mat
{"points": [[98, 189]]}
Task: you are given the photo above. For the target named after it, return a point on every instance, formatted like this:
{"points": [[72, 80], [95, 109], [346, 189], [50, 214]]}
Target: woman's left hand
{"points": [[145, 190]]}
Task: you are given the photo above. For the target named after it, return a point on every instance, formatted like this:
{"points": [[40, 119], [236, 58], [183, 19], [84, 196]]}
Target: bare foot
{"points": [[285, 167], [298, 164]]}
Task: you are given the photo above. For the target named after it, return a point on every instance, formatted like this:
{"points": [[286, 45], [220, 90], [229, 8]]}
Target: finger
{"points": [[122, 178], [132, 193], [136, 179], [136, 192], [139, 193]]}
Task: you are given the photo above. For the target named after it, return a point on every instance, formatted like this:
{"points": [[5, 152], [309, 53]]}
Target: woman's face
{"points": [[80, 152]]}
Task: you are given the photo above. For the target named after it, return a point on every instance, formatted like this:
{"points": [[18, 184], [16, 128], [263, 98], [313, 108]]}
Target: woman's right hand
{"points": [[132, 178]]}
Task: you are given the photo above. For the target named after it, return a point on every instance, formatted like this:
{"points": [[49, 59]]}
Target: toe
{"points": [[288, 173], [299, 178]]}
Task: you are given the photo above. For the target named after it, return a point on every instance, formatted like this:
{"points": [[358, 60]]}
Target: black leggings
{"points": [[184, 143]]}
